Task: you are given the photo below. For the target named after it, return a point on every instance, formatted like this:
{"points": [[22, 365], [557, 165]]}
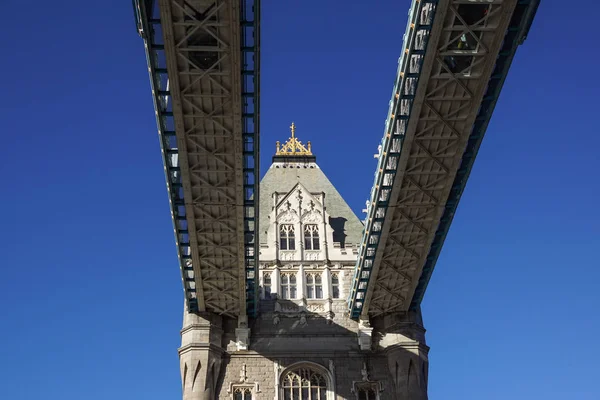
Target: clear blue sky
{"points": [[90, 285]]}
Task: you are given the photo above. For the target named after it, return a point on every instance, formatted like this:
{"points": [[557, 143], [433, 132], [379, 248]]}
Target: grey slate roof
{"points": [[346, 225]]}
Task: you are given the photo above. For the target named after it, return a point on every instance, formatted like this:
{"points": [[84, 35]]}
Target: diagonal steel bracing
{"points": [[203, 61], [452, 50]]}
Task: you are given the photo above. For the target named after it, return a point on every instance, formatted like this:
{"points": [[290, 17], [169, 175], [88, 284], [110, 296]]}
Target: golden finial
{"points": [[293, 146]]}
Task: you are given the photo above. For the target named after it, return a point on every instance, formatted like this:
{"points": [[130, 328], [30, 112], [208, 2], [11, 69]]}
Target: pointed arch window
{"points": [[335, 286], [304, 384], [314, 285], [367, 392], [311, 237], [267, 285], [288, 286], [242, 393], [287, 237]]}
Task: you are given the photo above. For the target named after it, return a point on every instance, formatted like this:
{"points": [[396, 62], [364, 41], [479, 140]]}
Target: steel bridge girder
{"points": [[429, 125]]}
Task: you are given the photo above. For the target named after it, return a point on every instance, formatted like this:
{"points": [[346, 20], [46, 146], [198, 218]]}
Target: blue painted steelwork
{"points": [[517, 32], [421, 17], [250, 40], [149, 28]]}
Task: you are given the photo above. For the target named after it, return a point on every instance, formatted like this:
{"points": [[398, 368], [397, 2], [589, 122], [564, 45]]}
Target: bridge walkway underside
{"points": [[457, 55], [201, 57]]}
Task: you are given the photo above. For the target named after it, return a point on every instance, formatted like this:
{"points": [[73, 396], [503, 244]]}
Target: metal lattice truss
{"points": [[210, 142], [451, 52]]}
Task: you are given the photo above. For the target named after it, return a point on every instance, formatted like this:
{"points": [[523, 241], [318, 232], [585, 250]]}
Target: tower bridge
{"points": [[284, 286]]}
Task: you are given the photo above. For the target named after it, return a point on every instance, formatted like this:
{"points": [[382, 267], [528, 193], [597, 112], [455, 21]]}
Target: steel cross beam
{"points": [[203, 62], [453, 49]]}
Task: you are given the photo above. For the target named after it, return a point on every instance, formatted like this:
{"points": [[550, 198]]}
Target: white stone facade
{"points": [[303, 343]]}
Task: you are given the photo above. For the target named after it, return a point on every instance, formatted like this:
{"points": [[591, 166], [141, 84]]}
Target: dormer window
{"points": [[287, 239], [311, 237]]}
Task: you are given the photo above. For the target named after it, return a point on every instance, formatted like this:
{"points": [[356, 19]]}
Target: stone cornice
{"points": [[200, 346]]}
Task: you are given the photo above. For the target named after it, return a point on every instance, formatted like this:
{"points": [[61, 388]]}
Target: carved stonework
{"points": [[292, 307], [315, 308], [312, 217], [311, 255], [299, 196], [303, 321], [287, 307], [243, 374], [287, 255], [288, 217]]}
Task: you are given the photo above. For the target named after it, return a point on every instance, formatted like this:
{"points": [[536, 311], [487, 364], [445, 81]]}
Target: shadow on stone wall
{"points": [[289, 332]]}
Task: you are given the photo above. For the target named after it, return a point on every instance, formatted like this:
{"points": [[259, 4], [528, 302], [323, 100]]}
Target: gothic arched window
{"points": [[287, 238], [335, 286], [311, 237], [304, 384], [288, 286], [367, 390], [367, 393], [314, 286], [267, 285], [242, 393]]}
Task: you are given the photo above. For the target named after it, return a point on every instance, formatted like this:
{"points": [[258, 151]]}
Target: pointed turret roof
{"points": [[294, 163]]}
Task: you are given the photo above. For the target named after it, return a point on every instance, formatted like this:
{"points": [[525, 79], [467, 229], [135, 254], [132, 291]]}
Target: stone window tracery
{"points": [[367, 392], [304, 384], [287, 237], [267, 285], [335, 286], [311, 237], [314, 285], [243, 390], [242, 393], [288, 286]]}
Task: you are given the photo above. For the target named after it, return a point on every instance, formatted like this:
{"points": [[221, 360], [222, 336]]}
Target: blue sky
{"points": [[90, 282]]}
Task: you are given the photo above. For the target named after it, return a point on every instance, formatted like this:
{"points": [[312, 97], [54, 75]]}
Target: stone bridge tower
{"points": [[303, 345]]}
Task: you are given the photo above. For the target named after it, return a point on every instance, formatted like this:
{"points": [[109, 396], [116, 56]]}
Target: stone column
{"points": [[326, 282], [300, 282], [200, 355], [408, 366], [275, 282], [365, 335], [402, 339], [242, 333]]}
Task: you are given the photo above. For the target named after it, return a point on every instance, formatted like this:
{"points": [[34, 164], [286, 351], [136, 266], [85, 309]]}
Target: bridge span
{"points": [[203, 61], [339, 302], [456, 55]]}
